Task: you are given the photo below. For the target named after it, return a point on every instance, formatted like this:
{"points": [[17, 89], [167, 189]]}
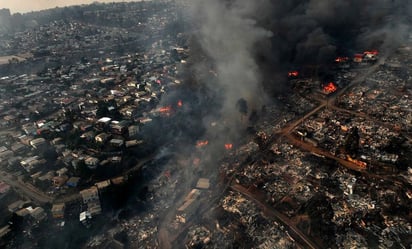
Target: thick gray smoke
{"points": [[258, 41], [339, 23], [228, 33]]}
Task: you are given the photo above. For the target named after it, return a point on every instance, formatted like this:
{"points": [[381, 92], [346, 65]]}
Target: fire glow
{"points": [[293, 74], [330, 88], [372, 52], [358, 58], [179, 103], [341, 59], [228, 146], [165, 109], [201, 144], [359, 163]]}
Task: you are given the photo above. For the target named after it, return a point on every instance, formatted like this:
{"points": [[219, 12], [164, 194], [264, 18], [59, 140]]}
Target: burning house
{"points": [[293, 74], [367, 57], [329, 88], [342, 62], [201, 143], [358, 58], [341, 59], [370, 55]]}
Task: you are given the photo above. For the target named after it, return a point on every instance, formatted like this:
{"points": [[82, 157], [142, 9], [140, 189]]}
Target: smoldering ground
{"points": [[244, 48]]}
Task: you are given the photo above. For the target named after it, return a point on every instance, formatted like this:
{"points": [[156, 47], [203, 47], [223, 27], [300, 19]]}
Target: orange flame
{"points": [[228, 146], [179, 103], [341, 59], [165, 109], [200, 144], [359, 163], [293, 74], [372, 52], [358, 58], [330, 88]]}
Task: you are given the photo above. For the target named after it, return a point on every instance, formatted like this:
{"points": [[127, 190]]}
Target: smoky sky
{"points": [[315, 31], [251, 42], [23, 6]]}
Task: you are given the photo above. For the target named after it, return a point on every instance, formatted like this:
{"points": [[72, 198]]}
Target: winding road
{"points": [[295, 232], [26, 189]]}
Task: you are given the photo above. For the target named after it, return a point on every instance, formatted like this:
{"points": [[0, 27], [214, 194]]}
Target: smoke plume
{"points": [[228, 33], [251, 42]]}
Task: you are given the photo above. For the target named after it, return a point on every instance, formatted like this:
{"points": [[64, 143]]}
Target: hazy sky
{"points": [[33, 5]]}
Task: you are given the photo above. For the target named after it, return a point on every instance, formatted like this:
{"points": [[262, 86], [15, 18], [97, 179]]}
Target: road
{"points": [[166, 239], [309, 147], [27, 190], [271, 212], [163, 237], [68, 198], [39, 196], [328, 102]]}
